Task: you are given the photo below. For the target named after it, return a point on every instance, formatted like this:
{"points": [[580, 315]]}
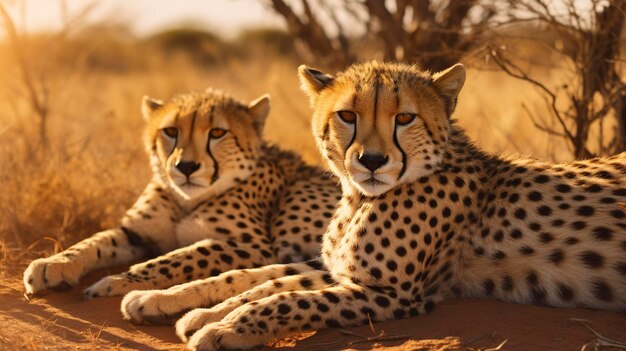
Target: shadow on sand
{"points": [[67, 318]]}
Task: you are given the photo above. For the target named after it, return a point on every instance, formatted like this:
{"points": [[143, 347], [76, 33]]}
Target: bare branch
{"points": [[542, 127], [391, 29], [515, 71], [434, 37]]}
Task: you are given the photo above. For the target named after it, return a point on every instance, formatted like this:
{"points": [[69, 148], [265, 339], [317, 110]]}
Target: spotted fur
{"points": [[425, 214], [220, 199]]}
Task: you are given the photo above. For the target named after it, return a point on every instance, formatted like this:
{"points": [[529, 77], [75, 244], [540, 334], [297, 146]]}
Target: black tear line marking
{"points": [[353, 136], [397, 143], [216, 166]]}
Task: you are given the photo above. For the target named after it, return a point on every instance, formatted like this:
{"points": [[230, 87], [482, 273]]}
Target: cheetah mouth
{"points": [[371, 185], [190, 185], [373, 182]]}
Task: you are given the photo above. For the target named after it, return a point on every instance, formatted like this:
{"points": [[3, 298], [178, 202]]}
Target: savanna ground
{"points": [[91, 166]]}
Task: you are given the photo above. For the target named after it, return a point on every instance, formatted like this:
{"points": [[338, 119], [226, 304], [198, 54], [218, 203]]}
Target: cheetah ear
{"points": [[149, 105], [449, 83], [259, 109], [313, 81]]}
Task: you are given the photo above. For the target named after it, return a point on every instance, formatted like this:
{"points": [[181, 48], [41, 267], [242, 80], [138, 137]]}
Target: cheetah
{"points": [[425, 214], [220, 198]]}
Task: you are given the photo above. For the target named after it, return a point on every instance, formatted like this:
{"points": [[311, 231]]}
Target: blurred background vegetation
{"points": [[544, 80]]}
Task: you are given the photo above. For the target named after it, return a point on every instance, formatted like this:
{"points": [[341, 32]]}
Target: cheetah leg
{"points": [[145, 232], [203, 259], [60, 271], [165, 306], [194, 320], [286, 313]]}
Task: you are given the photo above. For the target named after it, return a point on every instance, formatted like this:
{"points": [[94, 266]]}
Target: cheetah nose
{"points": [[373, 161], [187, 167]]}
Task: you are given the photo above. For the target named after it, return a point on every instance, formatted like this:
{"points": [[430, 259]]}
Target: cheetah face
{"points": [[380, 125], [202, 144]]}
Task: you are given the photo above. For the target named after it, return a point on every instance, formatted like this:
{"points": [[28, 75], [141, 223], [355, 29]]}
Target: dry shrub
{"points": [[94, 165]]}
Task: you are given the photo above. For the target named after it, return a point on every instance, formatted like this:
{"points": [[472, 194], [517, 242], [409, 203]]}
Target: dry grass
{"points": [[95, 166]]}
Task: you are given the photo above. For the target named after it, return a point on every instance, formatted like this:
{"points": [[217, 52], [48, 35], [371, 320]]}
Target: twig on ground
{"points": [[376, 338], [347, 332], [93, 335], [49, 323], [601, 341], [474, 339], [380, 337], [499, 347], [369, 321]]}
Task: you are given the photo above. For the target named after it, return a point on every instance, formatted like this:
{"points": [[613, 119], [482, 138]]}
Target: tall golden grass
{"points": [[94, 165]]}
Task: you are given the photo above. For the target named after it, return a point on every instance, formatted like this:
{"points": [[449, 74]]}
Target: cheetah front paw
{"points": [[194, 321], [223, 336], [114, 285], [56, 272], [153, 307]]}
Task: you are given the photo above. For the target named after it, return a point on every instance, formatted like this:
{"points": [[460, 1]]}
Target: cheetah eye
{"points": [[403, 119], [347, 116], [170, 132], [216, 133]]}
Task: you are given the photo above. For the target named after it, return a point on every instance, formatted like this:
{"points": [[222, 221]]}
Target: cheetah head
{"points": [[201, 144], [381, 124]]}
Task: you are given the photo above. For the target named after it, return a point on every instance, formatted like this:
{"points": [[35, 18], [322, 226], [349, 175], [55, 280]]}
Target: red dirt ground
{"points": [[64, 321]]}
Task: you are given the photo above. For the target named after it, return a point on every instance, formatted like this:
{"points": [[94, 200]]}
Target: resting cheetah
{"points": [[425, 214], [220, 199]]}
